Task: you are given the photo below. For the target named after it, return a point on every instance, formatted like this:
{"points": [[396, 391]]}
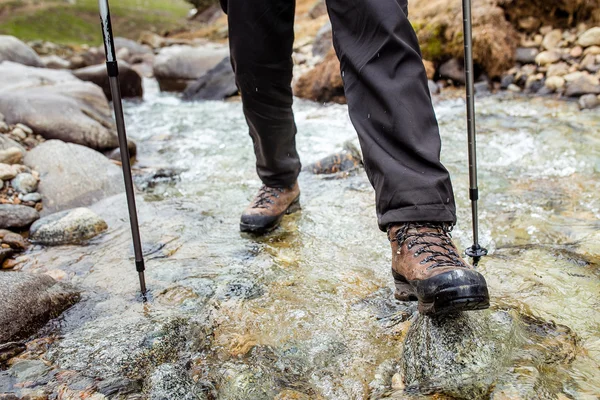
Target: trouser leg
{"points": [[390, 107], [261, 36]]}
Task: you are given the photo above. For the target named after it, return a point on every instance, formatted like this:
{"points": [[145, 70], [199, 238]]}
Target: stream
{"points": [[308, 310]]}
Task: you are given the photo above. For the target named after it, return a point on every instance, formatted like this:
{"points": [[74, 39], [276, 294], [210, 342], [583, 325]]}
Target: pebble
{"points": [[513, 88], [32, 197], [591, 37], [595, 50], [17, 216], [14, 240], [7, 172], [576, 52], [19, 133], [12, 155], [24, 183], [588, 102], [552, 39], [547, 57], [3, 126], [555, 82], [559, 69]]}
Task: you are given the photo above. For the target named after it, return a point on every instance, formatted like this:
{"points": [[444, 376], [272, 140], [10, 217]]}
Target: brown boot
{"points": [[427, 268], [268, 208]]}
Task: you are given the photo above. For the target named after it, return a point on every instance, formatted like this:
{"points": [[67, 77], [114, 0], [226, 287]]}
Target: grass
{"points": [[62, 22]]}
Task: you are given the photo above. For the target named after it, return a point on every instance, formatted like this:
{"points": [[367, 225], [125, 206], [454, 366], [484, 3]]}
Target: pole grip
{"points": [[109, 45]]}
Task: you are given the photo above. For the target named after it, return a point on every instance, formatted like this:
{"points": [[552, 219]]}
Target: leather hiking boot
{"points": [[427, 268], [268, 208]]}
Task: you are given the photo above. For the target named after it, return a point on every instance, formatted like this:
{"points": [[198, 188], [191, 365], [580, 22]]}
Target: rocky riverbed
{"points": [[307, 311]]}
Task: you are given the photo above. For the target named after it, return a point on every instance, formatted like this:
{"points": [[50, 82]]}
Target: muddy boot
{"points": [[268, 208], [427, 268]]}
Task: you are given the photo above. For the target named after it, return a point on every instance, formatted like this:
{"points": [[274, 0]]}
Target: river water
{"points": [[307, 310]]}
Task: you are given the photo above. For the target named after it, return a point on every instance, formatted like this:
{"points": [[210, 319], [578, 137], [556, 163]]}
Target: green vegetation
{"points": [[77, 22]]}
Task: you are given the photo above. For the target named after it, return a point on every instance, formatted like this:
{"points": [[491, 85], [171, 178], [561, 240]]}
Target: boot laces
{"points": [[265, 196], [425, 241]]}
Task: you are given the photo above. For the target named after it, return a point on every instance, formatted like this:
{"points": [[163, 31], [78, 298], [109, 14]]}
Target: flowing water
{"points": [[307, 310]]}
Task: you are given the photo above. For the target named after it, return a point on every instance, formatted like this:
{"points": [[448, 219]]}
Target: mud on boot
{"points": [[427, 268], [269, 206]]}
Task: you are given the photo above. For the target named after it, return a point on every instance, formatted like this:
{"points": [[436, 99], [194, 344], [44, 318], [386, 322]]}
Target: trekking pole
{"points": [[475, 251], [113, 77]]}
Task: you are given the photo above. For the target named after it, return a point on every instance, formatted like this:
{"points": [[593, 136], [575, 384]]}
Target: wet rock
{"points": [[346, 160], [323, 42], [67, 227], [217, 84], [591, 37], [176, 67], [29, 301], [552, 39], [161, 175], [12, 239], [130, 81], [526, 55], [29, 371], [72, 175], [172, 382], [12, 49], [323, 83], [459, 355], [10, 350], [583, 85], [17, 216], [239, 289], [547, 57], [289, 394], [453, 70], [12, 155], [118, 386], [24, 183], [241, 382], [588, 102], [55, 62], [8, 172]]}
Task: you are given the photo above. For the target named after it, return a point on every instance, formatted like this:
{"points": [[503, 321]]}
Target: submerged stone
{"points": [[172, 382]]}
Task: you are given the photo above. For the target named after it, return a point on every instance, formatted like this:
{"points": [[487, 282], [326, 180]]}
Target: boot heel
{"points": [[295, 206], [404, 292]]}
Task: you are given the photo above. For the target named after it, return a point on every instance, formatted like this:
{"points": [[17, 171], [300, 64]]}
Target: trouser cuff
{"points": [[424, 213]]}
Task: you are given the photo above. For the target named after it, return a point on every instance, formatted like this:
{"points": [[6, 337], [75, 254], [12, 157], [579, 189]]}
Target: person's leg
{"points": [[390, 106], [261, 36]]}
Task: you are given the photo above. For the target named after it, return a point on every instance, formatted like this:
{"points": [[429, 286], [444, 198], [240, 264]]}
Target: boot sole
{"points": [[262, 229], [449, 299]]}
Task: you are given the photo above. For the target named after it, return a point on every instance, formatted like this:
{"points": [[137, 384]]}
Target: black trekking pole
{"points": [[475, 251], [113, 77]]}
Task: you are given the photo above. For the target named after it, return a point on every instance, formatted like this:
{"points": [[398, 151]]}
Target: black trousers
{"points": [[386, 90]]}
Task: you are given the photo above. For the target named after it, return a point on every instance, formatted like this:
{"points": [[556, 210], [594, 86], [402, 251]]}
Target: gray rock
{"points": [[29, 371], [29, 301], [12, 49], [7, 172], [130, 81], [55, 62], [588, 102], [172, 382], [12, 155], [73, 176], [239, 289], [134, 48], [526, 55], [24, 183], [72, 111], [323, 41], [453, 70], [460, 355], [434, 88], [67, 227], [217, 84], [581, 86], [482, 87], [507, 80], [591, 37], [17, 216], [32, 197], [16, 76], [177, 66]]}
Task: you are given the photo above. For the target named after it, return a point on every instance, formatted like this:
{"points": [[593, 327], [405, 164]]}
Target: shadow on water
{"points": [[307, 311]]}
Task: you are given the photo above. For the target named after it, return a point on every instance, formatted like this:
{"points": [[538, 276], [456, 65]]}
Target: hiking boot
{"points": [[268, 208], [427, 268]]}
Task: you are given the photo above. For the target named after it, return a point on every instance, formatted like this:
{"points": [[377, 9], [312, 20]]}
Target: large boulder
{"points": [[439, 26], [29, 301], [12, 49], [63, 108], [323, 83], [130, 81], [176, 67], [217, 84], [72, 175]]}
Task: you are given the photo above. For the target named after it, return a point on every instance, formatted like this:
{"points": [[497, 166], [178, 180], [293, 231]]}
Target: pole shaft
{"points": [[469, 82]]}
